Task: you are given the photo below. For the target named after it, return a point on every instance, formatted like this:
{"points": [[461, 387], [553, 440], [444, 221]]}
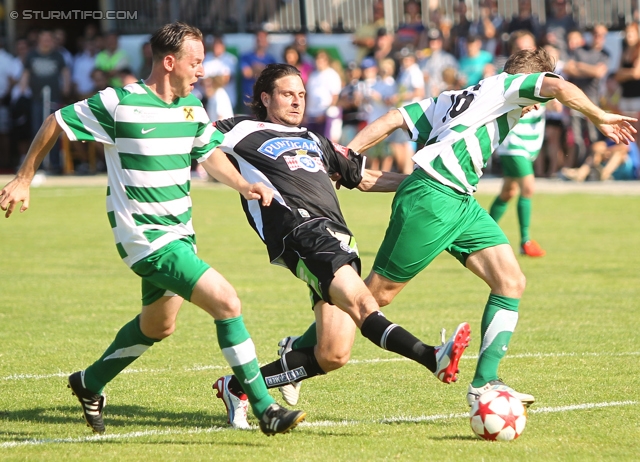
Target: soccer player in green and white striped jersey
{"points": [[517, 154], [434, 209], [151, 131]]}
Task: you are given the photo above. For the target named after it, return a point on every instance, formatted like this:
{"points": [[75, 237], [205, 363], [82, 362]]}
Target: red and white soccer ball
{"points": [[498, 415]]}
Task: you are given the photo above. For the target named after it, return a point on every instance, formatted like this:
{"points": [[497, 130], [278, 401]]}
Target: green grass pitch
{"points": [[64, 293]]}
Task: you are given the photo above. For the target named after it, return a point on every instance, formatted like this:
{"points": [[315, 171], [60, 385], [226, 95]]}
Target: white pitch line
{"points": [[351, 362], [318, 424]]}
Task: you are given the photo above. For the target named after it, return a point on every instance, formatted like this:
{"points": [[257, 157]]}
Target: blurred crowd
{"points": [[392, 68]]}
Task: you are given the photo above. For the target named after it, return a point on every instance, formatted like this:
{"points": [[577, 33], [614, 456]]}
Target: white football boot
{"points": [[291, 391], [474, 393]]}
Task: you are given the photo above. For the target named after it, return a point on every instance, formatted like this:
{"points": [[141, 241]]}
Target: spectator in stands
{"points": [[9, 68], [291, 56], [83, 64], [378, 96], [460, 31], [300, 43], [410, 90], [410, 32], [434, 66], [60, 38], [127, 76], [224, 64], [147, 58], [323, 89], [488, 26], [607, 161], [100, 80], [474, 64], [46, 68], [559, 24], [251, 65], [552, 156], [112, 59], [586, 67], [628, 74], [20, 107], [383, 47], [351, 104], [524, 19], [364, 38], [410, 79], [218, 104]]}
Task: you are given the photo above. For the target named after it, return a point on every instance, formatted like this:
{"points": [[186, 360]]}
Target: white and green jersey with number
{"points": [[148, 147], [526, 138], [461, 129]]}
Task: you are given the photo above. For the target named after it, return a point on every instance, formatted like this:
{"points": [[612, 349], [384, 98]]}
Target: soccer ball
{"points": [[498, 415]]}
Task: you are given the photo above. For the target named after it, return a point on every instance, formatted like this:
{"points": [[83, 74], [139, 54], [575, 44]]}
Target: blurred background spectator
{"points": [[401, 36], [434, 66], [364, 38], [251, 64]]}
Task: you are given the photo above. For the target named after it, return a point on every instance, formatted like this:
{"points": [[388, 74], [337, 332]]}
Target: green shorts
{"points": [[516, 166], [171, 270], [427, 218]]}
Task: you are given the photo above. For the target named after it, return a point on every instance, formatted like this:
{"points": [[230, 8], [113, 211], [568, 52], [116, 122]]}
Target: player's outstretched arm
{"points": [[377, 131], [218, 166], [17, 190], [615, 126], [377, 181]]}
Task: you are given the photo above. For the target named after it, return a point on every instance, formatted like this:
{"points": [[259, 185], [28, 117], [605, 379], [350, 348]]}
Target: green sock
{"points": [[308, 339], [128, 345], [240, 352], [497, 209], [524, 217], [498, 323]]}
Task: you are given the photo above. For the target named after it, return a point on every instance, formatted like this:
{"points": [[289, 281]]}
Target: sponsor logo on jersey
{"points": [[340, 149], [308, 163], [275, 147], [188, 113]]}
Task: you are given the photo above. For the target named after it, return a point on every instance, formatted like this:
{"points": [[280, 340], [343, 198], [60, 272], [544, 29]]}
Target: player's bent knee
{"points": [[158, 332], [331, 362]]}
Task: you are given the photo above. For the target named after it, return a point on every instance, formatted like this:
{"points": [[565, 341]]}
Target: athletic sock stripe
{"points": [[503, 321], [238, 355], [132, 351], [385, 335]]}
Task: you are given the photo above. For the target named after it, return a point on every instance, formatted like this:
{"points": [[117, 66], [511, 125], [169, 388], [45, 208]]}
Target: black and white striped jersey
{"points": [[296, 164]]}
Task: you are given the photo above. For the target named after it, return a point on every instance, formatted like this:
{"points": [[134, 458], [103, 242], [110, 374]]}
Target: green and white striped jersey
{"points": [[148, 146], [526, 138], [462, 128]]}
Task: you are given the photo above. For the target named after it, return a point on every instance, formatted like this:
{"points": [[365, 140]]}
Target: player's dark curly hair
{"points": [[529, 62], [266, 83], [170, 38]]}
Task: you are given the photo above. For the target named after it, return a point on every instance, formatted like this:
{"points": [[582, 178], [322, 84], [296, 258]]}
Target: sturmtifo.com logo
{"points": [[74, 14]]}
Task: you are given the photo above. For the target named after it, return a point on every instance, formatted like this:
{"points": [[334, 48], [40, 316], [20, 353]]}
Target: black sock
{"points": [[394, 338], [301, 365]]}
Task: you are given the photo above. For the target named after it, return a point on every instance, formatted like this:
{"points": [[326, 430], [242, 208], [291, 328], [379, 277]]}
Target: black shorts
{"points": [[316, 250]]}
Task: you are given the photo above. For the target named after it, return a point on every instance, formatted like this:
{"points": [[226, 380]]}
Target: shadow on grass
{"points": [[117, 417], [454, 438]]}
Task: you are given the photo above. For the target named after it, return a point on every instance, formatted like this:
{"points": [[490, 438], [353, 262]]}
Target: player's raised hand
{"points": [[618, 127], [16, 191], [259, 191]]}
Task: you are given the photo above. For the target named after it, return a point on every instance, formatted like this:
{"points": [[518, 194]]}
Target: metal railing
{"points": [[228, 16]]}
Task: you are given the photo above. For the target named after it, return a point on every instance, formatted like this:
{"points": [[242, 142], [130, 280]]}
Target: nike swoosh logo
{"points": [[249, 381], [504, 347], [144, 132]]}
